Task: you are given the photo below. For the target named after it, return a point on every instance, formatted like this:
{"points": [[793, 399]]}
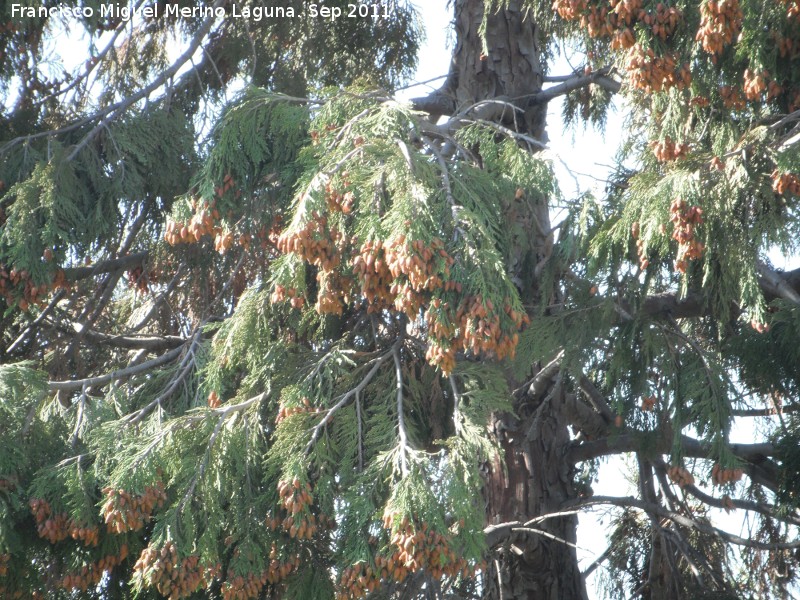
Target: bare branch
{"points": [[76, 384], [187, 363], [657, 509], [342, 400], [401, 424]]}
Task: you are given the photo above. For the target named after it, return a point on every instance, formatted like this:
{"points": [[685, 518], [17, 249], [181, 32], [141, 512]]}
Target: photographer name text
{"points": [[155, 11]]}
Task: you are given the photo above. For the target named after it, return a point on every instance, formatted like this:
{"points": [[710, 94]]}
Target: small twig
{"points": [[596, 563], [360, 433], [347, 127], [21, 338], [204, 465], [549, 536], [187, 363], [160, 299], [346, 397], [401, 424], [499, 580], [78, 419], [456, 403]]}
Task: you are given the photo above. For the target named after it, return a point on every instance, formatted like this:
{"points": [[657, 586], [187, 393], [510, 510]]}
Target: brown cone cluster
{"points": [[90, 575], [641, 251], [239, 587], [17, 288], [205, 221], [757, 82], [57, 527], [407, 276], [651, 73], [649, 403], [123, 511], [667, 150], [478, 326], [721, 476], [172, 576], [686, 219], [140, 279], [732, 98], [720, 23], [615, 20], [315, 243], [287, 411], [411, 549], [785, 183], [296, 501], [680, 476]]}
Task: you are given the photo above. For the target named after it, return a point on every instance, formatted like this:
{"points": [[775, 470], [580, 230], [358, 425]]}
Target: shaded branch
{"points": [[150, 343], [636, 442], [106, 266], [100, 380]]}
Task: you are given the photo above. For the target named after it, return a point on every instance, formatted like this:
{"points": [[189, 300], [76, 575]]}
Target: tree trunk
{"points": [[540, 563], [495, 73]]}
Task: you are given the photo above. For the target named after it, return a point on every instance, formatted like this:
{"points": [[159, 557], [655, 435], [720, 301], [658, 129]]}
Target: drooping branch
{"points": [[187, 363], [657, 509], [735, 503]]}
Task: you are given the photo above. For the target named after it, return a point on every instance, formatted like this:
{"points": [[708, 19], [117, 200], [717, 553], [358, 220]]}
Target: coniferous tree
{"points": [[304, 341]]}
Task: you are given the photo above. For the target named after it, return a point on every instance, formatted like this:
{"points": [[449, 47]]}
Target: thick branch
{"points": [[635, 442], [106, 266], [577, 81], [775, 284]]}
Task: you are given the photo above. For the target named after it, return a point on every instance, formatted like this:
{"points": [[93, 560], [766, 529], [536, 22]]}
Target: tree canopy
{"points": [[268, 332]]}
